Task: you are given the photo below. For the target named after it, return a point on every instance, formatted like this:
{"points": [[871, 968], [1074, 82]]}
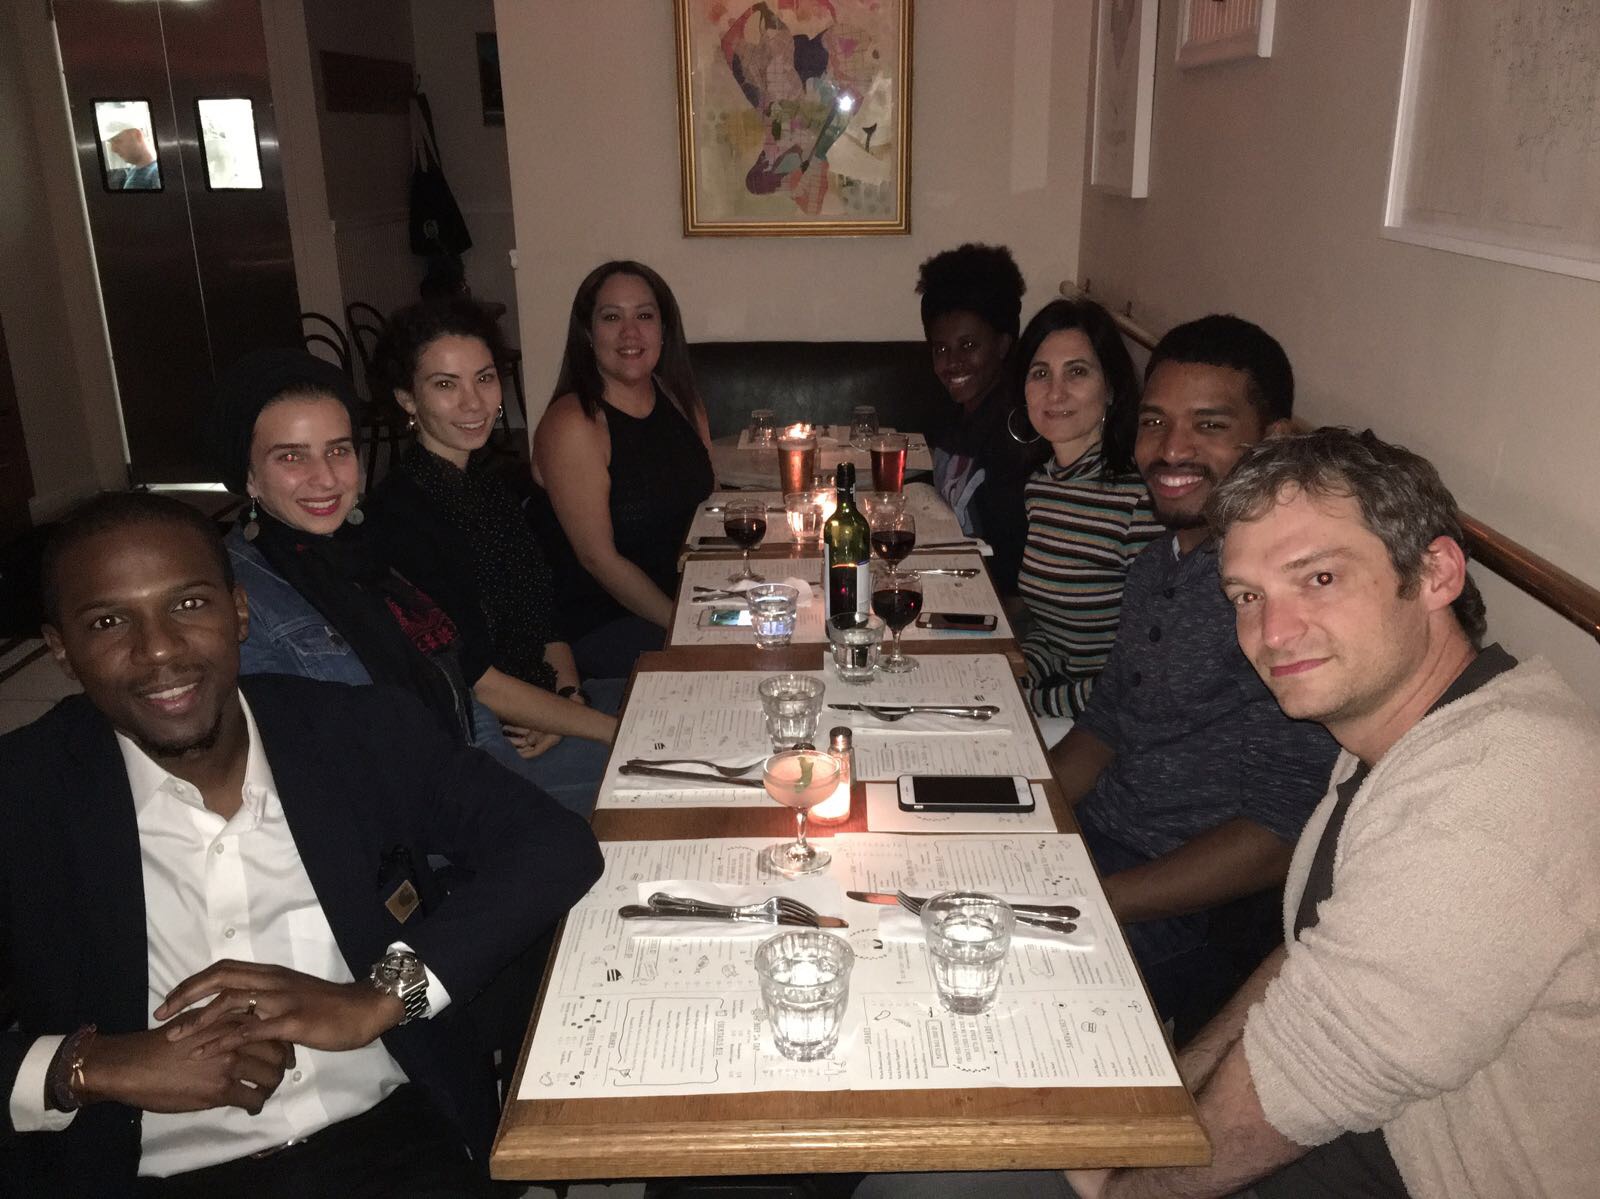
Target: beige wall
{"points": [[1266, 199], [366, 157], [305, 188], [591, 122], [49, 298], [444, 33]]}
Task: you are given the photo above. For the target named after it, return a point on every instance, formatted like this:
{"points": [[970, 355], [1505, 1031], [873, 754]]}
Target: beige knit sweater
{"points": [[1450, 992]]}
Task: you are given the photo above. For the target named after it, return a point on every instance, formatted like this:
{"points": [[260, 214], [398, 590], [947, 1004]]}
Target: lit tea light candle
{"points": [[837, 806]]}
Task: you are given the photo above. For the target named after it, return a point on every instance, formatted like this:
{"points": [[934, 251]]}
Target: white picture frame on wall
{"points": [[1213, 31], [1124, 96], [1500, 168]]}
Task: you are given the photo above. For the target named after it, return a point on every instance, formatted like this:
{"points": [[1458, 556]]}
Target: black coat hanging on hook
{"points": [[437, 226]]}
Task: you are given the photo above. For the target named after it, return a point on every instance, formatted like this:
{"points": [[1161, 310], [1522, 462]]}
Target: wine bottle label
{"points": [[849, 588]]}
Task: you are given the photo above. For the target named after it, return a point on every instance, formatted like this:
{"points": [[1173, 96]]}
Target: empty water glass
{"points": [[863, 424], [792, 703], [805, 989], [855, 640], [804, 510], [968, 935], [763, 426], [773, 607]]}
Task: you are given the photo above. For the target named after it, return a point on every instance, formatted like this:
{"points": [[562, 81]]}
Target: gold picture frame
{"points": [[781, 117]]}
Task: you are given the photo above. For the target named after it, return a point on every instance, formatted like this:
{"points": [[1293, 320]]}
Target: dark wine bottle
{"points": [[846, 548]]}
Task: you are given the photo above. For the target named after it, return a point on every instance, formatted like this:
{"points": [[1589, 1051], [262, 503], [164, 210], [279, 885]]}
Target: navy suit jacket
{"points": [[360, 771]]}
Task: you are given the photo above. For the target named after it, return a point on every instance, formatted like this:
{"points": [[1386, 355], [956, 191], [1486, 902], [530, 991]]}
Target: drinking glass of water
{"points": [[763, 426], [792, 704], [773, 609], [805, 988], [968, 935], [863, 425]]}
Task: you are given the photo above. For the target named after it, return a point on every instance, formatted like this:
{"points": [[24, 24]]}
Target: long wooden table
{"points": [[829, 1131]]}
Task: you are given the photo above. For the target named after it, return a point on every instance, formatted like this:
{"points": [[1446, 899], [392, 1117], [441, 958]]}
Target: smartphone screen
{"points": [[955, 620], [726, 618], [965, 793]]}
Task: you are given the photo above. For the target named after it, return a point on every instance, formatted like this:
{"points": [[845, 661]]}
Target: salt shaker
{"points": [[837, 806]]}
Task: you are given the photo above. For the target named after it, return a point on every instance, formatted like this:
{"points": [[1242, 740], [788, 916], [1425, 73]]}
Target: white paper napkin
{"points": [[821, 893], [805, 599], [897, 924]]}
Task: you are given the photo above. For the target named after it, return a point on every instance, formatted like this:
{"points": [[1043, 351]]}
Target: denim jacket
{"points": [[289, 636]]}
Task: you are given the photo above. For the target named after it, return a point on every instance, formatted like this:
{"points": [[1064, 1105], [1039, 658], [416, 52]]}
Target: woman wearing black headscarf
{"points": [[324, 604]]}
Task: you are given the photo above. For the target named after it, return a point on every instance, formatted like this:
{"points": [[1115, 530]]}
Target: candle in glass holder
{"points": [[837, 806]]}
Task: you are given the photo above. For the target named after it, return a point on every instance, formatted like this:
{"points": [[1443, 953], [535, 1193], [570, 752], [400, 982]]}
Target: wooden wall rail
{"points": [[1559, 590]]}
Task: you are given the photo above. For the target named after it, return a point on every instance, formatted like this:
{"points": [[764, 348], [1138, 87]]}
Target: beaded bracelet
{"points": [[64, 1082]]}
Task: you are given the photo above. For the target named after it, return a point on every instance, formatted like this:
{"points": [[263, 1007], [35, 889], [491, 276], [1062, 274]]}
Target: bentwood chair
{"points": [[382, 423]]}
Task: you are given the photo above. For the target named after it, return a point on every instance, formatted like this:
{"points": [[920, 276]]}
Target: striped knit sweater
{"points": [[1083, 531]]}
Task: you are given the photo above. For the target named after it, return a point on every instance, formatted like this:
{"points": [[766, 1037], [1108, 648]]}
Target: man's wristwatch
{"points": [[572, 689], [399, 973]]}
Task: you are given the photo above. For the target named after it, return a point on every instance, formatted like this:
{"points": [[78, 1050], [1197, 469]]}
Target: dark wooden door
{"points": [[16, 476]]}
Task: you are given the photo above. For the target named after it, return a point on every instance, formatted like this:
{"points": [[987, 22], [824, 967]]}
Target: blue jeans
{"points": [[570, 772]]}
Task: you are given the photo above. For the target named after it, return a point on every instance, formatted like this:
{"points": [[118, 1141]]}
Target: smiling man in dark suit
{"points": [[225, 976]]}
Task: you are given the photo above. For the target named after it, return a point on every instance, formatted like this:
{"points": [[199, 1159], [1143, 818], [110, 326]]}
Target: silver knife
{"points": [[723, 508], [973, 710], [1037, 911], [963, 572], [638, 911], [661, 772]]}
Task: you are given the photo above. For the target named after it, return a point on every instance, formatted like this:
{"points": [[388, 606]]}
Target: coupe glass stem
{"points": [[800, 850]]}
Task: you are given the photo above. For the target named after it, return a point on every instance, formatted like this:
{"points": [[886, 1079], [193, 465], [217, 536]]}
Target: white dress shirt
{"points": [[214, 889]]}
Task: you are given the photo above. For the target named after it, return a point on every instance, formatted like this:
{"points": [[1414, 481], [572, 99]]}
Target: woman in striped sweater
{"points": [[1088, 511]]}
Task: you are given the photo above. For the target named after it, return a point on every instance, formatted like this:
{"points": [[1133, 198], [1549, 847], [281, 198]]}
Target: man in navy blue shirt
{"points": [[1190, 784]]}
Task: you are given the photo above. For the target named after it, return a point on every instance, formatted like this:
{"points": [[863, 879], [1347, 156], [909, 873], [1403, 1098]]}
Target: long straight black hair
{"points": [[580, 372]]}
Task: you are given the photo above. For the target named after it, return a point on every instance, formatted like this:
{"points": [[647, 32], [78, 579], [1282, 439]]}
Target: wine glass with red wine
{"points": [[897, 598], [894, 535], [745, 523]]}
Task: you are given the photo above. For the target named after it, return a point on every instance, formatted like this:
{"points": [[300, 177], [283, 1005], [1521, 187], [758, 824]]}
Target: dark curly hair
{"points": [[1122, 380], [973, 278], [412, 329]]}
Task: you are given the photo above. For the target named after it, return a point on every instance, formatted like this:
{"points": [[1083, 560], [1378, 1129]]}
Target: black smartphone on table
{"points": [[965, 793], [961, 622]]}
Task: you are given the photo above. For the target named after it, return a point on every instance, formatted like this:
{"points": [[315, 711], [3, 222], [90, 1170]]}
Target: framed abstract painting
{"points": [[794, 116]]}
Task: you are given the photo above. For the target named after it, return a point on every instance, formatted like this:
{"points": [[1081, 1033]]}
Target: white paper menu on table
{"points": [[636, 1013]]}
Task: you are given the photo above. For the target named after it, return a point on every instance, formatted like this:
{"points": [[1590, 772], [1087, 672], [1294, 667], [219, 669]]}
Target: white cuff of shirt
{"points": [[438, 997], [28, 1112]]}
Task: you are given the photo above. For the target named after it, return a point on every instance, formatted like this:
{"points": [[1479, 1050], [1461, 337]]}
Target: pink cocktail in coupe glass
{"points": [[798, 779]]}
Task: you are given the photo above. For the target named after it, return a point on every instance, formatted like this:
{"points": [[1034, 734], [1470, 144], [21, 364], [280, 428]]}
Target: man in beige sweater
{"points": [[1432, 1027]]}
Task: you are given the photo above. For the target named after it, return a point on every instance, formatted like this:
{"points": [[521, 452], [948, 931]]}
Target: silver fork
{"points": [[727, 772], [1057, 918], [769, 909]]}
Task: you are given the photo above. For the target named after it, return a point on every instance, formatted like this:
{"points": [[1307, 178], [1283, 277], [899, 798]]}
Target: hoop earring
{"points": [[252, 527], [1013, 432]]}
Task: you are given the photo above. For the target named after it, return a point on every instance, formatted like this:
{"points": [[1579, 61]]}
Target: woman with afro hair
{"points": [[971, 314]]}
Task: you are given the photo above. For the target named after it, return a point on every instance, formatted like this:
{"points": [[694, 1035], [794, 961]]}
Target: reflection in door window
{"points": [[128, 152], [228, 136]]}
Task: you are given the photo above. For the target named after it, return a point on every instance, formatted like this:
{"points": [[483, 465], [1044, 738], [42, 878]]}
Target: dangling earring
{"points": [[1011, 429], [252, 527], [356, 515], [411, 423]]}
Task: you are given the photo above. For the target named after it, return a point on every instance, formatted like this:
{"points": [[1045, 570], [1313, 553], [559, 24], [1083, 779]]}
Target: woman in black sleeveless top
{"points": [[623, 455]]}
